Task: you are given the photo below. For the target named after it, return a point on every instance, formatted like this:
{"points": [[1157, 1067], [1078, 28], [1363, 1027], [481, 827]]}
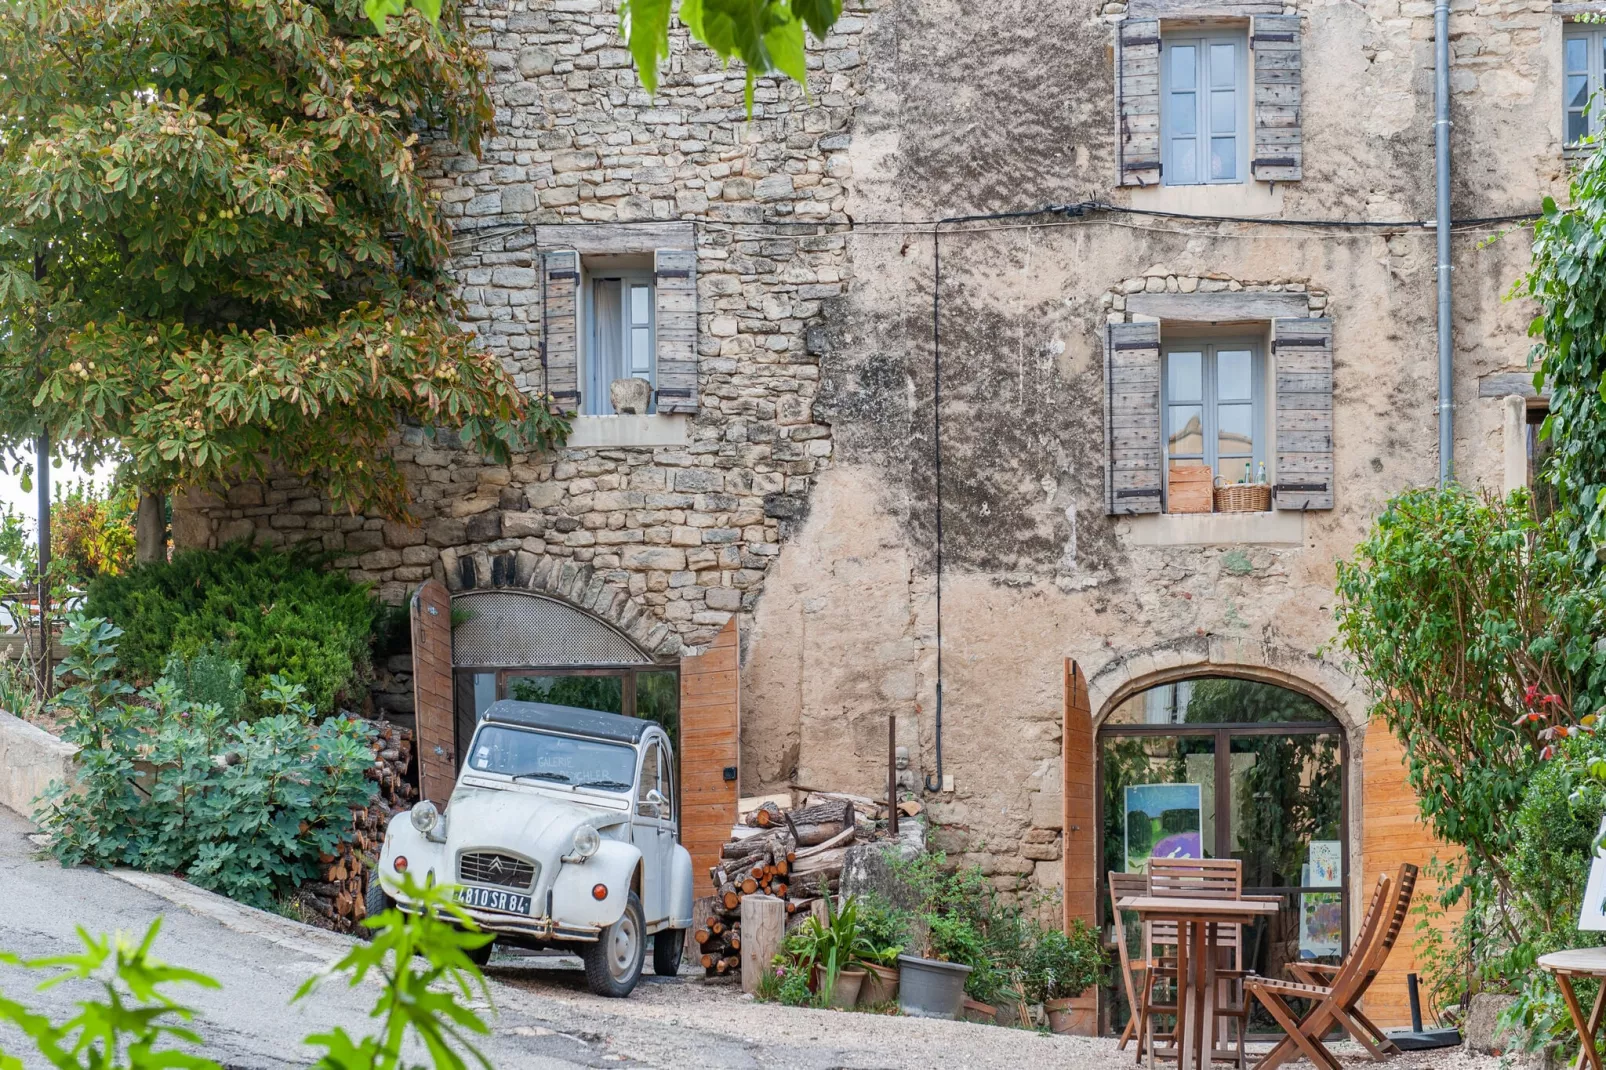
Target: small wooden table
{"points": [[1196, 962], [1584, 962]]}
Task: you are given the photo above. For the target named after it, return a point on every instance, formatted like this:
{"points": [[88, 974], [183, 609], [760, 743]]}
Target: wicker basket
{"points": [[1243, 498]]}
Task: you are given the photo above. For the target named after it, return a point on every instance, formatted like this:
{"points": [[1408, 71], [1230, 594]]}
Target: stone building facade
{"points": [[801, 494]]}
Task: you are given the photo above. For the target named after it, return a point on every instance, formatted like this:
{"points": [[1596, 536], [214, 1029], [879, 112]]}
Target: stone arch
{"points": [[1217, 655], [578, 585]]}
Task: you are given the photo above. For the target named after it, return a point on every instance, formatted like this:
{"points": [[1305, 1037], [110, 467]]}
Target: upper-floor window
{"points": [[620, 332], [1583, 51], [1214, 407], [1204, 109]]}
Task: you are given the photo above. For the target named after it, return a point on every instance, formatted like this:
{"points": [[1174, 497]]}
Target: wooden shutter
{"points": [[1302, 350], [1277, 156], [675, 282], [431, 610], [1081, 842], [1132, 416], [710, 738], [560, 319], [1137, 102]]}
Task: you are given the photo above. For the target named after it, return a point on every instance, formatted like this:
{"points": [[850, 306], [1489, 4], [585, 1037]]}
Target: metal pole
{"points": [[1441, 224], [42, 486], [892, 774]]}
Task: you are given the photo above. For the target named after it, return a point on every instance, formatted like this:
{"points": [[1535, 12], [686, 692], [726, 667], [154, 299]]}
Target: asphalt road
{"points": [[543, 1016]]}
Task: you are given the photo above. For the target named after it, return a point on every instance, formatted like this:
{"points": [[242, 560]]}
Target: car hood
{"points": [[534, 825]]}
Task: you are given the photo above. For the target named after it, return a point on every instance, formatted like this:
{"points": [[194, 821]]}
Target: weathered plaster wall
{"points": [[1015, 112]]}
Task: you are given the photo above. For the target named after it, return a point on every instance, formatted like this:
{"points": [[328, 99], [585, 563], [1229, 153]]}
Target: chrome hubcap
{"points": [[622, 940]]}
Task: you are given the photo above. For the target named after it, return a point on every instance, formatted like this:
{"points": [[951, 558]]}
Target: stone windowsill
{"points": [[1275, 528], [661, 429]]}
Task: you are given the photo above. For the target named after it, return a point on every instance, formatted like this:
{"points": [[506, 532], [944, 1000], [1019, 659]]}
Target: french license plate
{"points": [[490, 899]]}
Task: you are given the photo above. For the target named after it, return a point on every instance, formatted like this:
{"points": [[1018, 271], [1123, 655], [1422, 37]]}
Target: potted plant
{"points": [[885, 933], [932, 985], [1061, 967], [829, 952]]}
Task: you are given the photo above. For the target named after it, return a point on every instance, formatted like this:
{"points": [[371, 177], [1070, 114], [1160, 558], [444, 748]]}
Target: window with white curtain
{"points": [[619, 336], [1204, 108]]}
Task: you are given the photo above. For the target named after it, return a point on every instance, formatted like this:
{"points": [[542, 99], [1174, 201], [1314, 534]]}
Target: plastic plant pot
{"points": [[928, 988]]}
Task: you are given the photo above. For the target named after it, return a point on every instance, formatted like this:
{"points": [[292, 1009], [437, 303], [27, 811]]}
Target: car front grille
{"points": [[491, 867]]}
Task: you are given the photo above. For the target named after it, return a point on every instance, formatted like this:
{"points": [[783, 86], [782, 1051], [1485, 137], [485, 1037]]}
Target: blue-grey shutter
{"points": [[1302, 351], [560, 326], [1277, 155], [675, 315], [1132, 416], [1137, 101]]}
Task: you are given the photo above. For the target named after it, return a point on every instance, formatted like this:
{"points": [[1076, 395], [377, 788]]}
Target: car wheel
{"points": [[479, 956], [375, 901], [614, 962], [667, 947]]}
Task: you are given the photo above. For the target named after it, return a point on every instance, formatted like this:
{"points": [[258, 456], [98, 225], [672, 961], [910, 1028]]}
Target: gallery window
{"points": [[1241, 770]]}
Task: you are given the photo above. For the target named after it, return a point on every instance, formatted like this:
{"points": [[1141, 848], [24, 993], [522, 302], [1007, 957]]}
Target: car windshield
{"points": [[522, 752]]}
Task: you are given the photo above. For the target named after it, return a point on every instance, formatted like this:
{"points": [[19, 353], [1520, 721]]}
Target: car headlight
{"points": [[587, 841], [426, 817]]}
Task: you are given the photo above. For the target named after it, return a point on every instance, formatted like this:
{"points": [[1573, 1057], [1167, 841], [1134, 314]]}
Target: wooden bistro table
{"points": [[1584, 962], [1197, 961]]}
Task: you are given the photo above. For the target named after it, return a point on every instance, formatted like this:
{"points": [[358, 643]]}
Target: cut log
{"points": [[766, 816], [764, 920], [749, 886], [701, 936], [715, 926], [846, 836]]}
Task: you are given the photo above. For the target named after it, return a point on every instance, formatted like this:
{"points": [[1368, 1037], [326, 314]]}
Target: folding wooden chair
{"points": [[1194, 878], [1122, 886], [1335, 1002], [1320, 973]]}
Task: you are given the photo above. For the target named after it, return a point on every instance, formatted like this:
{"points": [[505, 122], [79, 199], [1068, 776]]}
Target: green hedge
{"points": [[272, 612]]}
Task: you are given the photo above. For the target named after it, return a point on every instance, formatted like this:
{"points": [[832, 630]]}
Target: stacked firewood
{"points": [[793, 854], [338, 900]]}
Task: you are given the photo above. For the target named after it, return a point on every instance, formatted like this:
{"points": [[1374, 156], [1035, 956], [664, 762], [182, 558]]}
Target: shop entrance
{"points": [[1218, 767]]}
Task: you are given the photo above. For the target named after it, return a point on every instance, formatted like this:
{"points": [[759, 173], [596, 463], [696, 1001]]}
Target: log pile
{"points": [[338, 900], [794, 854]]}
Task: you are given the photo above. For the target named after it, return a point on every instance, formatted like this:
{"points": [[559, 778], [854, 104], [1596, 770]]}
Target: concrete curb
{"points": [[293, 935], [30, 758]]}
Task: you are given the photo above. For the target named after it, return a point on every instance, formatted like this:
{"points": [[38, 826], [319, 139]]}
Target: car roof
{"points": [[570, 719]]}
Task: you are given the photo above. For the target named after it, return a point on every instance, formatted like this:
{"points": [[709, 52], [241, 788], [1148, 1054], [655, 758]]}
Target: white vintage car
{"points": [[561, 832]]}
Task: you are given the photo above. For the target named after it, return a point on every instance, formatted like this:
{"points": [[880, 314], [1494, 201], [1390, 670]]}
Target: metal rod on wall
{"points": [[42, 486]]}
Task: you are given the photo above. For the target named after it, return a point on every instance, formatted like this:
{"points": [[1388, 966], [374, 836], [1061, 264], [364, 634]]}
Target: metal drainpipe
{"points": [[1441, 225]]}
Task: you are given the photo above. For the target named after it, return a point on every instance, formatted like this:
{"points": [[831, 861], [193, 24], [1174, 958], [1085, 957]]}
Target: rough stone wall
{"points": [[669, 540]]}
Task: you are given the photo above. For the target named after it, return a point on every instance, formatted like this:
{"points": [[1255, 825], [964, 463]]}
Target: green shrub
{"points": [[272, 612], [208, 676], [1060, 966], [169, 786]]}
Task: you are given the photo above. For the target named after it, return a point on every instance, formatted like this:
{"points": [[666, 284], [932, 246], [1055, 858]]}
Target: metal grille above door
{"points": [[513, 628]]}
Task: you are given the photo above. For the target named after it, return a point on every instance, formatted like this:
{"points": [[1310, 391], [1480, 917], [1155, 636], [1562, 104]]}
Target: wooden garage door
{"points": [[710, 732], [1392, 832], [432, 691]]}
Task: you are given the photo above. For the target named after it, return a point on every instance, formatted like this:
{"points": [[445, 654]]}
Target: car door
{"points": [[646, 827]]}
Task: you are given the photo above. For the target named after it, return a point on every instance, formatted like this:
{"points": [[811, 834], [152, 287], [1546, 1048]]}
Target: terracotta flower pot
{"points": [[1061, 1019], [980, 1013], [880, 984], [846, 993]]}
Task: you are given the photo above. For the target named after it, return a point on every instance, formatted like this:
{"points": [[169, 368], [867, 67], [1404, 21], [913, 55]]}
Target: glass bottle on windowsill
{"points": [[1246, 472], [1260, 473]]}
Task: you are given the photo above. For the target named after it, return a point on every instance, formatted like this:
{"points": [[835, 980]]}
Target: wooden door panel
{"points": [[1081, 839], [432, 691], [710, 734]]}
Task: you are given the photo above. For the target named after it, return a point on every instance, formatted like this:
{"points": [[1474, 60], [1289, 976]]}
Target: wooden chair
{"points": [[1335, 1002], [1322, 974], [1122, 886], [1194, 878]]}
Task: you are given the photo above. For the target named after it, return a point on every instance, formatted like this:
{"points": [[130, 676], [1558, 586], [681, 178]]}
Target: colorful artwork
{"points": [[1321, 925], [1162, 821], [1326, 863]]}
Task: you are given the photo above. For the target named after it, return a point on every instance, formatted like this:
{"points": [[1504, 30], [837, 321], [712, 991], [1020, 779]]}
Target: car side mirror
{"points": [[656, 799]]}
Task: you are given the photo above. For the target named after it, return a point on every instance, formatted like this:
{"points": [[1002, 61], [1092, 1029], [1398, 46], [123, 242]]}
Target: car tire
{"points": [[375, 899], [614, 962], [479, 956], [667, 947]]}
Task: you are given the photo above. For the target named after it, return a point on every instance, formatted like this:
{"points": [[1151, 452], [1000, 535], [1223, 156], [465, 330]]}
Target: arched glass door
{"points": [[1226, 768]]}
